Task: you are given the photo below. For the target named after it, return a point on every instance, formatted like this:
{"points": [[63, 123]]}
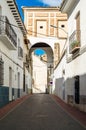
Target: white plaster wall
{"points": [[83, 21], [10, 57], [75, 66], [39, 75], [59, 78], [78, 65], [72, 21], [81, 6], [28, 80]]}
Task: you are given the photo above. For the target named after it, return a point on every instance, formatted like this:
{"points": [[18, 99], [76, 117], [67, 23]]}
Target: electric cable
{"points": [[26, 30]]}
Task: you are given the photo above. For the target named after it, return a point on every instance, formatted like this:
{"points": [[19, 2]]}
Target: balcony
{"points": [[20, 52], [74, 42], [7, 33]]}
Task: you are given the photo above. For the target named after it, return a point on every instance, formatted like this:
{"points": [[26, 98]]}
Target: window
{"points": [[74, 39], [78, 26], [20, 50], [18, 42], [62, 26], [41, 27]]}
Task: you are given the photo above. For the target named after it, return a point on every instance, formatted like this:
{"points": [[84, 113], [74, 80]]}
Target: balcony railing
{"points": [[74, 41], [20, 52], [7, 33]]}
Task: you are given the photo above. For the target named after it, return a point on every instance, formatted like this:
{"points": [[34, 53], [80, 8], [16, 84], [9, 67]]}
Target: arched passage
{"points": [[43, 66]]}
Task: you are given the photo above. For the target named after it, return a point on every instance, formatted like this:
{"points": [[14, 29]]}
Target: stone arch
{"points": [[47, 48], [50, 60]]}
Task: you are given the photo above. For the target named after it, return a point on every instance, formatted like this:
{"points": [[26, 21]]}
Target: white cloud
{"points": [[51, 2]]}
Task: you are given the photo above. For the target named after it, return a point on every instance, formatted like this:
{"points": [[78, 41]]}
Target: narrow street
{"points": [[39, 112]]}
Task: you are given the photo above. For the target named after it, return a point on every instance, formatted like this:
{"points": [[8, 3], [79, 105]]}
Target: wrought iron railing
{"points": [[20, 52], [74, 41], [7, 29]]}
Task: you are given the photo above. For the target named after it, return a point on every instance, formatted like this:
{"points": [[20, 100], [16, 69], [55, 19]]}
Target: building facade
{"points": [[70, 73], [12, 35], [39, 74], [38, 21]]}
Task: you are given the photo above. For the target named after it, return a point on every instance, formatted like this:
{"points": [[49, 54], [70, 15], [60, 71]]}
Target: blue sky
{"points": [[42, 3], [39, 52], [32, 3]]}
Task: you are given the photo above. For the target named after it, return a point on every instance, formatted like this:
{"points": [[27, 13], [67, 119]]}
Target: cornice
{"points": [[15, 12]]}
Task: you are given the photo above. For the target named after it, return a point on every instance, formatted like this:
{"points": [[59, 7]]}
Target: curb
{"points": [[74, 112], [6, 109]]}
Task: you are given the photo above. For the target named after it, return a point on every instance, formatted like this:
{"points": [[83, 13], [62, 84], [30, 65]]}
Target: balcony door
{"points": [[18, 84]]}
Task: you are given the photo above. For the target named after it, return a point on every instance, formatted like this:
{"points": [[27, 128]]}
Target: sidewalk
{"points": [[6, 109], [74, 112]]}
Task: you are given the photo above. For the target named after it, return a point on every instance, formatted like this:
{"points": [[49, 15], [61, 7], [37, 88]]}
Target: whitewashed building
{"points": [[39, 73], [70, 73], [12, 34]]}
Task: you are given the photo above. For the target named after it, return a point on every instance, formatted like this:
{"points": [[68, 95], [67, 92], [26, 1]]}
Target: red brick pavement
{"points": [[74, 112], [6, 109]]}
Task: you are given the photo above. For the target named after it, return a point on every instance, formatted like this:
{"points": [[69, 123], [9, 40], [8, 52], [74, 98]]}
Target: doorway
{"points": [[77, 88], [18, 84], [10, 84]]}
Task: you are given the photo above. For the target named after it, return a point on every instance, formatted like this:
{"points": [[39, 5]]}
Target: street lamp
{"points": [[59, 28]]}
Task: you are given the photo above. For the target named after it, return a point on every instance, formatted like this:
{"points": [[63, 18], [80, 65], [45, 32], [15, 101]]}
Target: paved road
{"points": [[39, 112]]}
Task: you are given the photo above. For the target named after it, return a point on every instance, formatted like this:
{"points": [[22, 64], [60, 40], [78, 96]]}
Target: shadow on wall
{"points": [[72, 90], [58, 87]]}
